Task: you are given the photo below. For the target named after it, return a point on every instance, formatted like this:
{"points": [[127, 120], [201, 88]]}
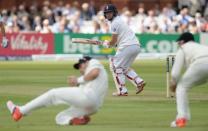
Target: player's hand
{"points": [[106, 43], [173, 85], [72, 80], [5, 42]]}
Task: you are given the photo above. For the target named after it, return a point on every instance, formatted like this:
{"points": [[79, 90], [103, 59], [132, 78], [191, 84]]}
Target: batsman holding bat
{"points": [[84, 96], [128, 47], [195, 58]]}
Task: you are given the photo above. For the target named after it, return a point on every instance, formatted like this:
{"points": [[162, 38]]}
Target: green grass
{"points": [[149, 111]]}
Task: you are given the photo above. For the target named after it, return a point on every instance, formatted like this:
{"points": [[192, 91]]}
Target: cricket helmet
{"points": [[110, 8], [186, 37]]}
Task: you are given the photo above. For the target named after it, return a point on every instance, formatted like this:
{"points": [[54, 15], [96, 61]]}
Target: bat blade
{"points": [[86, 41]]}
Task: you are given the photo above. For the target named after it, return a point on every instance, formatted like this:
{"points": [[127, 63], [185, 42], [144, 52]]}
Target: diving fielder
{"points": [[4, 43], [128, 47], [84, 97], [194, 57]]}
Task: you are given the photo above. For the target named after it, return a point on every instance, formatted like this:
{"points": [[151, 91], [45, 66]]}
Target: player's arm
{"points": [[93, 74], [112, 42], [177, 68], [113, 39]]}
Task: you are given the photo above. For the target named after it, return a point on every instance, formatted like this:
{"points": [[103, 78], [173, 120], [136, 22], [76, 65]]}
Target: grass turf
{"points": [[149, 111]]}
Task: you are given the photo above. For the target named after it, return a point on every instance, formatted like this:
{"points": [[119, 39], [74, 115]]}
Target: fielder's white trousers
{"points": [[80, 104], [196, 74]]}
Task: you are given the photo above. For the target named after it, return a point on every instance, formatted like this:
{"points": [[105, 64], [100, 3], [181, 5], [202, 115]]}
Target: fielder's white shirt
{"points": [[126, 36], [186, 55], [97, 88]]}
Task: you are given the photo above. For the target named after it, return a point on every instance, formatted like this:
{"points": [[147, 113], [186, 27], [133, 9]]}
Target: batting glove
{"points": [[5, 42], [106, 43]]}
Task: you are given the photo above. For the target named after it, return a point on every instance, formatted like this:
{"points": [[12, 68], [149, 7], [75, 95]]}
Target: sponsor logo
{"points": [[20, 42]]}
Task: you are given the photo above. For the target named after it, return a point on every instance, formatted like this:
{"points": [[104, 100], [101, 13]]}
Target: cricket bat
{"points": [[86, 41]]}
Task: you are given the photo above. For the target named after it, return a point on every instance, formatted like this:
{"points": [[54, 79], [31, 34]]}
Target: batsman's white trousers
{"points": [[196, 74], [80, 104], [125, 57], [120, 63]]}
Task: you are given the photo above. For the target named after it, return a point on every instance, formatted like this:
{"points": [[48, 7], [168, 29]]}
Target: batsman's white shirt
{"points": [[126, 36], [189, 53]]}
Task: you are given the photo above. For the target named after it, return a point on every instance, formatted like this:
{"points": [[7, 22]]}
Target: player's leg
{"points": [[112, 68], [137, 81], [74, 116], [120, 65], [195, 75], [73, 96], [131, 75], [118, 74]]}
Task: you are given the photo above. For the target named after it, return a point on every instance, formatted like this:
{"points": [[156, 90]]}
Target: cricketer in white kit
{"points": [[84, 97], [194, 57], [4, 42], [128, 47]]}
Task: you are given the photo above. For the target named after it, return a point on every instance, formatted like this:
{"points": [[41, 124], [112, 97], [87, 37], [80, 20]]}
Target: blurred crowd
{"points": [[189, 15]]}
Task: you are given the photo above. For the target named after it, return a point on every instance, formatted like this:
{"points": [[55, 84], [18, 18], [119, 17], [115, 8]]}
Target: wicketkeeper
{"points": [[84, 97], [194, 57]]}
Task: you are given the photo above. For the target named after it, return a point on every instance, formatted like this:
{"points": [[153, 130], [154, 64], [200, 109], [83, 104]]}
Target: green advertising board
{"points": [[150, 43], [64, 45], [160, 43]]}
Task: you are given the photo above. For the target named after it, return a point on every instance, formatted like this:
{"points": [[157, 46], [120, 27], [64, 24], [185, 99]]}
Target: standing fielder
{"points": [[195, 58], [4, 39], [84, 97], [128, 48]]}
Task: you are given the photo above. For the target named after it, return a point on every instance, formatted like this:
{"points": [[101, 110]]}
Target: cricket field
{"points": [[148, 111]]}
